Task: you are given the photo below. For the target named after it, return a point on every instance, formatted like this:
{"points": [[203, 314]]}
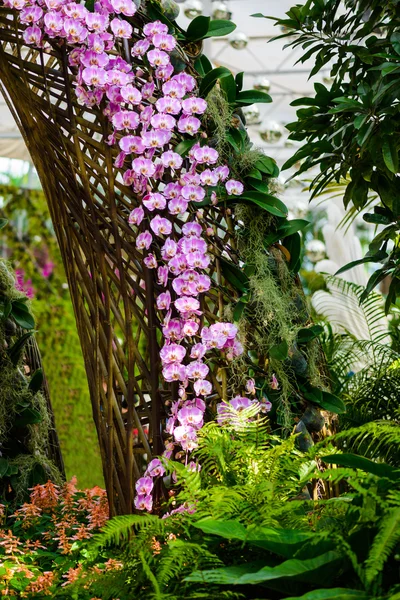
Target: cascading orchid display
{"points": [[150, 108]]}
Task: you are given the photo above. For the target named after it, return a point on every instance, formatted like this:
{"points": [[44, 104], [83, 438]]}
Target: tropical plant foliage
{"points": [[349, 126]]}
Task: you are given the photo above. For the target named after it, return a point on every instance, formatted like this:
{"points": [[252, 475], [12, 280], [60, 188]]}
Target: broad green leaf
{"points": [[15, 351], [3, 223], [202, 65], [332, 403], [260, 186], [253, 97], [29, 416], [234, 275], [89, 5], [306, 334], [390, 154], [298, 570], [279, 351], [22, 316], [198, 28], [36, 381], [228, 85], [3, 467], [239, 81], [284, 542], [293, 246], [360, 462], [211, 78], [286, 229], [376, 257], [184, 146], [219, 28], [334, 594], [269, 203], [267, 165]]}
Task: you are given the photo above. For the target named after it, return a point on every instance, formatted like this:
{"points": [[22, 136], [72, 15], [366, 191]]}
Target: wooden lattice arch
{"points": [[113, 293]]}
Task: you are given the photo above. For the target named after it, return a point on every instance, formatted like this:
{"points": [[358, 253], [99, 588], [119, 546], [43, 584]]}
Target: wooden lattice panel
{"points": [[113, 293]]}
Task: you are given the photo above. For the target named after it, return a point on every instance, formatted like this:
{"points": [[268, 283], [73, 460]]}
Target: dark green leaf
{"points": [[334, 594], [29, 416], [299, 570], [220, 27], [198, 28], [390, 155], [234, 275], [89, 4], [267, 165], [228, 85], [360, 462], [253, 97], [376, 257], [3, 223], [332, 403], [22, 316], [293, 245], [16, 350], [211, 78], [260, 186], [184, 146], [202, 65], [239, 81], [279, 351], [4, 464], [266, 201], [36, 381], [306, 334]]}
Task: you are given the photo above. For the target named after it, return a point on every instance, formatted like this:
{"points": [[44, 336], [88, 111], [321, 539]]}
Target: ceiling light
{"points": [[271, 132], [252, 115], [262, 84], [238, 40], [220, 10], [193, 8]]}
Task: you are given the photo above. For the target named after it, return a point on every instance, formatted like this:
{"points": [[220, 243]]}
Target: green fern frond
{"points": [[118, 529], [384, 543]]}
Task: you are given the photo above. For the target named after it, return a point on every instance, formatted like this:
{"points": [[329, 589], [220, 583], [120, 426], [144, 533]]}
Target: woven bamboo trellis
{"points": [[113, 293]]}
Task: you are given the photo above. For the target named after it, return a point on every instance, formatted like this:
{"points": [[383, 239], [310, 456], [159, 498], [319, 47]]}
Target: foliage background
{"points": [[30, 245]]}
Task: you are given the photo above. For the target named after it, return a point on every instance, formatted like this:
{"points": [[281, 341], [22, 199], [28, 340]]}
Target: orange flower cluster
{"points": [[70, 516]]}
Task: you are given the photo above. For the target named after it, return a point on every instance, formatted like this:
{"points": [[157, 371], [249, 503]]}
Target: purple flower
{"points": [[164, 41], [174, 372], [177, 206], [173, 331], [209, 177], [202, 387], [164, 72], [197, 370], [160, 226], [33, 35], [190, 328], [140, 48], [190, 415], [168, 105], [172, 190], [183, 287], [144, 240], [75, 31], [172, 353], [234, 187], [53, 22], [131, 94], [195, 106], [171, 159], [156, 138], [31, 14], [205, 155], [96, 22], [144, 485], [157, 58], [198, 351], [169, 249], [143, 502], [148, 90], [162, 275], [94, 76], [274, 383], [187, 305], [222, 172], [143, 166], [151, 29], [90, 58], [174, 89], [250, 386], [163, 301], [75, 11], [150, 261], [189, 125], [136, 216], [118, 77], [163, 121], [132, 144], [193, 193], [155, 468], [192, 228], [241, 402], [126, 7], [178, 264], [154, 201], [193, 244], [125, 119], [188, 82], [121, 28]]}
